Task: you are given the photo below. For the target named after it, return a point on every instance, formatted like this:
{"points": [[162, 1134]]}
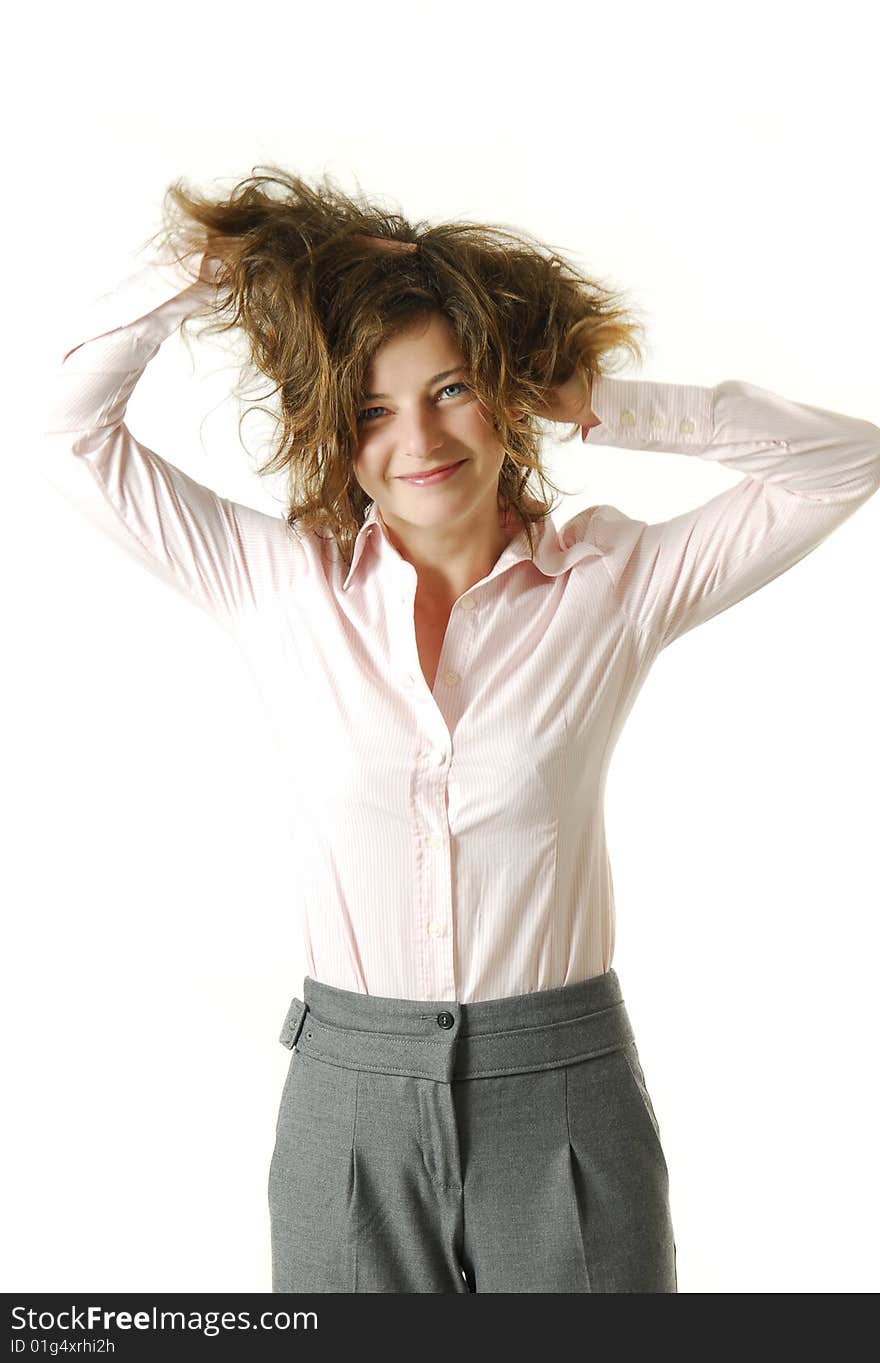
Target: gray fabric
{"points": [[508, 1145]]}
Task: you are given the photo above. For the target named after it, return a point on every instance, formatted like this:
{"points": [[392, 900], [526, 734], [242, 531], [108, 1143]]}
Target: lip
{"points": [[435, 476]]}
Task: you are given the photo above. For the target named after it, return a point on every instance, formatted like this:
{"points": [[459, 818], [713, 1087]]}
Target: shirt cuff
{"points": [[639, 414]]}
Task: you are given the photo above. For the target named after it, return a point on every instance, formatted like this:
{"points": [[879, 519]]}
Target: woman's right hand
{"points": [[216, 245]]}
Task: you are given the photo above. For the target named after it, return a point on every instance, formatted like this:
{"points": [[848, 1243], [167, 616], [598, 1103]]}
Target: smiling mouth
{"points": [[429, 473]]}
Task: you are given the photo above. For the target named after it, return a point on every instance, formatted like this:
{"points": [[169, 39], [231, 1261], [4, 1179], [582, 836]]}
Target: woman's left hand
{"points": [[569, 403]]}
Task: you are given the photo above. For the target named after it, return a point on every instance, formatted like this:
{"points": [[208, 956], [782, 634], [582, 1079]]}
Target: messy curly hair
{"points": [[315, 302]]}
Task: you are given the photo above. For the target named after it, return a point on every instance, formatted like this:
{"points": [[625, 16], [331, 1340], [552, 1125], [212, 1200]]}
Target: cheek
{"points": [[480, 416], [368, 466], [361, 460], [361, 473], [485, 438], [477, 429]]}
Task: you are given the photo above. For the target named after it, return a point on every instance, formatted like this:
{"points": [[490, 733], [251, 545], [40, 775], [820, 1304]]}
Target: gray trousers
{"points": [[507, 1145]]}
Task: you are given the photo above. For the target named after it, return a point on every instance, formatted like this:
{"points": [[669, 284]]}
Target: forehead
{"points": [[420, 341]]}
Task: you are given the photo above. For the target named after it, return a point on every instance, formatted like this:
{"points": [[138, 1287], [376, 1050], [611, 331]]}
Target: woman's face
{"points": [[418, 414]]}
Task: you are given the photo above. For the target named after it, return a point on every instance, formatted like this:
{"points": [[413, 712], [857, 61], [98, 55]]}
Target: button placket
{"points": [[433, 891]]}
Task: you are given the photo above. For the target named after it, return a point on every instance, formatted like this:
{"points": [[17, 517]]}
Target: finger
{"points": [[387, 243]]}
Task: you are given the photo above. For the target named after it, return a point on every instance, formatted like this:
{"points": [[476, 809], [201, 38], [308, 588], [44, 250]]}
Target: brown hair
{"points": [[301, 275]]}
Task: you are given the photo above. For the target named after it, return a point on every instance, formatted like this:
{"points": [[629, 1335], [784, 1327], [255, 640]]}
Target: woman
{"points": [[447, 675]]}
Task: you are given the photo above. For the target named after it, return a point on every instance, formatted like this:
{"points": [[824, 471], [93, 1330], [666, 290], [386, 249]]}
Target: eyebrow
{"points": [[436, 379]]}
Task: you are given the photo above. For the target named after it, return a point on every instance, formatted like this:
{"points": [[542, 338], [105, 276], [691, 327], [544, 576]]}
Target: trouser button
{"points": [[445, 1020]]}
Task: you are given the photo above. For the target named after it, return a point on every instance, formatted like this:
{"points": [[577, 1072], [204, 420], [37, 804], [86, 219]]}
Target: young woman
{"points": [[447, 674]]}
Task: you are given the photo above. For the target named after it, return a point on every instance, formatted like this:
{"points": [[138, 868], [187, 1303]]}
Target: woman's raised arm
{"points": [[806, 470], [226, 557]]}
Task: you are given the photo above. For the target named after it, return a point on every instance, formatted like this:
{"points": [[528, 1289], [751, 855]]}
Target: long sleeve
{"points": [[807, 470], [224, 556]]}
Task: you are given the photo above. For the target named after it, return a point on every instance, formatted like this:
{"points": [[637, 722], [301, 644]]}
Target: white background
{"points": [[718, 163]]}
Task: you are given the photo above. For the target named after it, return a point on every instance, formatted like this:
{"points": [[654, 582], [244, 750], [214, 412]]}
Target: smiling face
{"points": [[419, 414]]}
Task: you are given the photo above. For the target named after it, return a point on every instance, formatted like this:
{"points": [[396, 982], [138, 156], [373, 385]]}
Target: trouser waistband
{"points": [[448, 1040]]}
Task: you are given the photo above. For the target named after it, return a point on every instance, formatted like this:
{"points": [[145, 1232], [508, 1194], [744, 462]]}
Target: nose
{"points": [[419, 438]]}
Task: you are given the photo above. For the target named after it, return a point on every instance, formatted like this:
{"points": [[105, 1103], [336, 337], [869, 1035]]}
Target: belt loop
{"points": [[293, 1025]]}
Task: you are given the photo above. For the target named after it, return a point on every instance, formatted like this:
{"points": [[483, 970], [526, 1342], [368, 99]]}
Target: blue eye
{"points": [[362, 416]]}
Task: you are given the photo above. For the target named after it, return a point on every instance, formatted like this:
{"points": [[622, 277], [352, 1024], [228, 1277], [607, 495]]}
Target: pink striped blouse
{"points": [[450, 842]]}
